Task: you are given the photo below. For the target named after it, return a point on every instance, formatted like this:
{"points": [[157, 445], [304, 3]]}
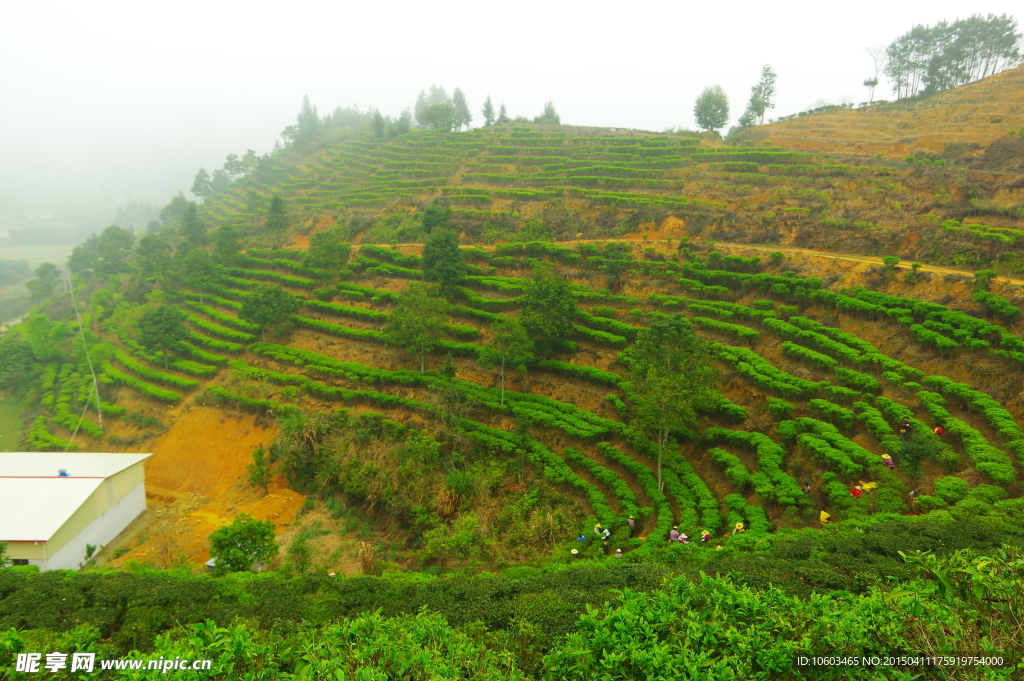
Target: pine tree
{"points": [[460, 110], [277, 218], [549, 116], [502, 115], [193, 229], [488, 111]]}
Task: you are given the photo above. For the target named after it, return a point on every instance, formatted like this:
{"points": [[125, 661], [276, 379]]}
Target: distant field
{"points": [[13, 297], [36, 255], [10, 425]]}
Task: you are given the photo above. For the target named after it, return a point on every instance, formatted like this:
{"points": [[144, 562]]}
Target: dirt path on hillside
{"points": [[806, 251], [415, 247], [861, 258]]}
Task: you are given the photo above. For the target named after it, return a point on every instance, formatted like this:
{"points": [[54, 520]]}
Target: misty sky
{"points": [[126, 100]]}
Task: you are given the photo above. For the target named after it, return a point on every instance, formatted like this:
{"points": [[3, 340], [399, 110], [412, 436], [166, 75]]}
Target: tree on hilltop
{"points": [[201, 185], [268, 306], [877, 54], [930, 59], [460, 110], [762, 97], [488, 111], [502, 115], [174, 211], [711, 110], [425, 101], [764, 92], [442, 258], [439, 117], [549, 115], [308, 128], [671, 376], [418, 320], [378, 123]]}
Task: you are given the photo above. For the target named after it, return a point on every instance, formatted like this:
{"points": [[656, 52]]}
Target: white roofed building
{"points": [[53, 504]]}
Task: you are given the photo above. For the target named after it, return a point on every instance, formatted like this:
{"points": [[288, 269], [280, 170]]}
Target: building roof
{"points": [[35, 500]]}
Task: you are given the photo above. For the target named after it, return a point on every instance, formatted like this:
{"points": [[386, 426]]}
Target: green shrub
{"points": [[951, 489], [780, 408], [990, 494]]}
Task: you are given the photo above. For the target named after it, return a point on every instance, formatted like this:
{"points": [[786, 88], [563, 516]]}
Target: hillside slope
{"points": [[953, 124], [819, 358]]}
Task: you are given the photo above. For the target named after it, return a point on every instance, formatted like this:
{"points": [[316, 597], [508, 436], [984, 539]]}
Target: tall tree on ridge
{"points": [[711, 109], [460, 110], [488, 111]]}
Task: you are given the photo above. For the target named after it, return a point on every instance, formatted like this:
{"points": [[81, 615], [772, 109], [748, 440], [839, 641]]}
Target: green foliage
{"points": [[509, 347], [548, 311], [259, 469], [148, 372], [45, 284], [238, 546], [161, 328], [276, 219], [268, 306], [780, 408], [147, 389], [671, 377], [632, 638], [328, 252], [816, 358], [104, 255], [217, 330], [417, 321], [735, 471], [437, 214], [442, 258], [711, 111], [951, 490]]}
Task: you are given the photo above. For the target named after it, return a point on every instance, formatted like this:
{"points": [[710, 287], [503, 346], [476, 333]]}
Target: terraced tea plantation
{"points": [[598, 185], [809, 407]]}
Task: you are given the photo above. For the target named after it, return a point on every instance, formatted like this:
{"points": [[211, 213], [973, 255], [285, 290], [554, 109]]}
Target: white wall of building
{"points": [[99, 532]]}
